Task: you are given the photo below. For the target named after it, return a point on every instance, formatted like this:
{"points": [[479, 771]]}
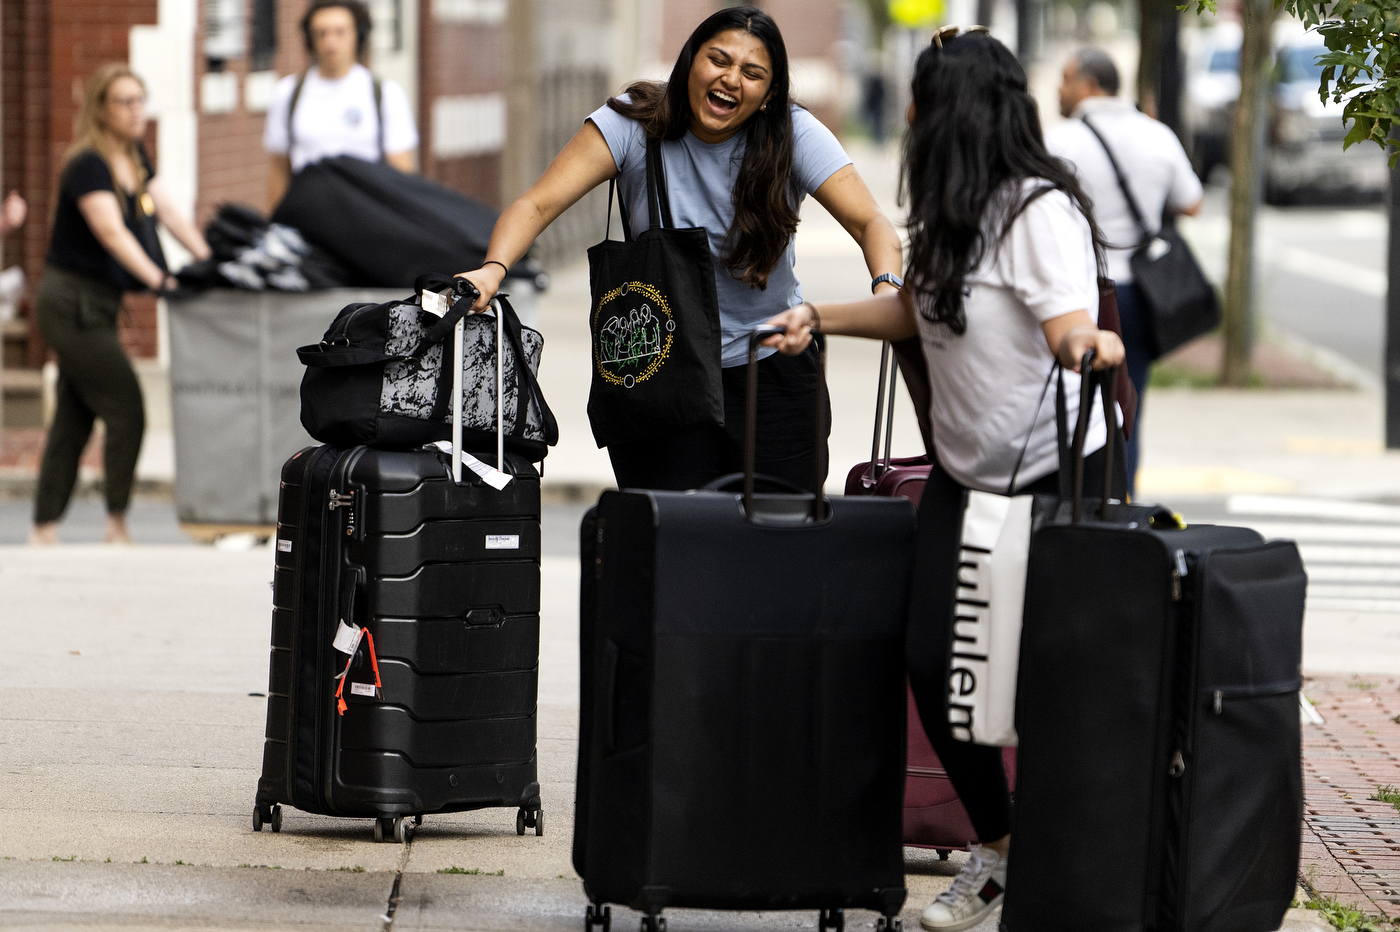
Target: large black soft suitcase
{"points": [[741, 740], [434, 711], [1159, 783]]}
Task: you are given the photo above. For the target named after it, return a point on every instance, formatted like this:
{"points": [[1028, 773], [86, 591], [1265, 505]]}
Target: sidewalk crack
{"points": [[392, 907]]}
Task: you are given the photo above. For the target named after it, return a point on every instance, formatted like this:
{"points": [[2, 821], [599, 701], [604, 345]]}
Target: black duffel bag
{"points": [[378, 376], [1181, 302], [389, 227]]}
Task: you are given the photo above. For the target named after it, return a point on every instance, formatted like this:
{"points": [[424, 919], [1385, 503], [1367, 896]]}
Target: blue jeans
{"points": [[1137, 340]]}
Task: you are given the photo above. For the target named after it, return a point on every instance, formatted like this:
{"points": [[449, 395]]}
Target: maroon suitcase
{"points": [[933, 815]]}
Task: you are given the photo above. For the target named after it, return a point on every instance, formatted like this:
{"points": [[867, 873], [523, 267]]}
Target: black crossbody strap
{"points": [[658, 201], [1122, 181]]}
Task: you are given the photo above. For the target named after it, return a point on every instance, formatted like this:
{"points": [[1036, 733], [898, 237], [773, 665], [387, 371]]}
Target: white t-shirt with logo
{"points": [[339, 118], [987, 382]]}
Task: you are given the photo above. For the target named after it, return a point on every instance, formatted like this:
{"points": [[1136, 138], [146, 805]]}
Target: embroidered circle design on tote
{"points": [[632, 334]]}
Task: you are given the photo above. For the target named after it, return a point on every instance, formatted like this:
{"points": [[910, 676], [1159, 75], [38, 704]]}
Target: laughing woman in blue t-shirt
{"points": [[739, 158]]}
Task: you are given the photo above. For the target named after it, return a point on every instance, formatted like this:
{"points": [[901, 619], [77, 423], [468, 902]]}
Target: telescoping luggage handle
{"points": [[751, 419], [884, 416], [462, 290], [1108, 386]]}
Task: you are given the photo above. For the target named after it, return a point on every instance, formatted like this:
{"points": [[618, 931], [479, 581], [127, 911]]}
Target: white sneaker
{"points": [[976, 891]]}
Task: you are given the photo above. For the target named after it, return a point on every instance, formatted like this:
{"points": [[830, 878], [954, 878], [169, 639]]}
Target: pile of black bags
{"points": [[345, 222]]}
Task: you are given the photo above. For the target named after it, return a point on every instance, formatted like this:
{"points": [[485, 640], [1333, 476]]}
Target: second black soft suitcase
{"points": [[405, 640], [742, 736], [1159, 784]]}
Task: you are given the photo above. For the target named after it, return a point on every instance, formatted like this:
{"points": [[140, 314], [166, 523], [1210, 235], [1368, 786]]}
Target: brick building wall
{"points": [[462, 70], [232, 163]]}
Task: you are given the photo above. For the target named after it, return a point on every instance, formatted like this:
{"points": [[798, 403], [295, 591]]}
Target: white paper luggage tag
{"points": [[489, 474], [347, 638], [435, 303]]}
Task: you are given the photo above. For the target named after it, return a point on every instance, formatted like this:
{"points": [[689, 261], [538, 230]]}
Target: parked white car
{"points": [[1304, 154]]}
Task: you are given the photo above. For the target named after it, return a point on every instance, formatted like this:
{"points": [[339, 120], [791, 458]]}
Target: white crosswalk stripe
{"points": [[1351, 549]]}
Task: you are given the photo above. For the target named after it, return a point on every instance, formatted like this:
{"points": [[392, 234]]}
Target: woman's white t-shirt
{"points": [[338, 118], [987, 382]]}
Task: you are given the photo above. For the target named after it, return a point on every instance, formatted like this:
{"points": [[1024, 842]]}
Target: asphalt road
{"points": [[1321, 271]]}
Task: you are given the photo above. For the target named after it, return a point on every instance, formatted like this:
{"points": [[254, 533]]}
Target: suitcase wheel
{"points": [[529, 819], [889, 924], [267, 815], [942, 855], [395, 829], [600, 916], [653, 924], [833, 919]]}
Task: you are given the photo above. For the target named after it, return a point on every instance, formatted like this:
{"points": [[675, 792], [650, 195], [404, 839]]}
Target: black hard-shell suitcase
{"points": [[1160, 743], [436, 708], [741, 737]]}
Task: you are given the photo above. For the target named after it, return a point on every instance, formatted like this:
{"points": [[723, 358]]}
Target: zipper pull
{"points": [[1218, 702], [1178, 766], [1178, 574]]}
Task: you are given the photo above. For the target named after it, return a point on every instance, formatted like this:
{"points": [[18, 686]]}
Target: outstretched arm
{"points": [[585, 163], [847, 198]]}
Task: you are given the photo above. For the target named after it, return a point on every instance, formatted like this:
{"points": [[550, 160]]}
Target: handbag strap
{"points": [[658, 200], [622, 211], [1040, 403], [1122, 181]]}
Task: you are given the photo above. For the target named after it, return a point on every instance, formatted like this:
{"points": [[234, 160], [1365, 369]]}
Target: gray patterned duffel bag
{"points": [[377, 377]]}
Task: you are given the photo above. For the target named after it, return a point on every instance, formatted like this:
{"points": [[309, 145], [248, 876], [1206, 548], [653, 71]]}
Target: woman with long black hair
{"points": [[739, 156], [1004, 259]]}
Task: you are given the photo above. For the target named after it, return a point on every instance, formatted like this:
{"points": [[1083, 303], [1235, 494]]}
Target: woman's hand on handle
{"points": [[1071, 335], [799, 322], [487, 281]]}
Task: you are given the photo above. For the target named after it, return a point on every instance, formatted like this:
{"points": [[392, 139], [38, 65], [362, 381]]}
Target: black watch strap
{"points": [[887, 277]]}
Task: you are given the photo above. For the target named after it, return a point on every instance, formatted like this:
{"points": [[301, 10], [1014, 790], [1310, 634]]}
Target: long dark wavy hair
{"points": [[976, 137], [764, 216]]}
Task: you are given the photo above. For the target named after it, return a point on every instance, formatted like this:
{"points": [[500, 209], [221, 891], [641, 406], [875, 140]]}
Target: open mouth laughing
{"points": [[722, 103]]}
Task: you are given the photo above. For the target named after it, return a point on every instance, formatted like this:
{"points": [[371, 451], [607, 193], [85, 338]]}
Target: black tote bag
{"points": [[655, 325], [1182, 302]]}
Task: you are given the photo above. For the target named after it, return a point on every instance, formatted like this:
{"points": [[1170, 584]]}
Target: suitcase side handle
{"points": [[756, 337]]}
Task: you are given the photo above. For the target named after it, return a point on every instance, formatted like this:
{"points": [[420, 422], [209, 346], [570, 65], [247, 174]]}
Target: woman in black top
{"points": [[104, 243]]}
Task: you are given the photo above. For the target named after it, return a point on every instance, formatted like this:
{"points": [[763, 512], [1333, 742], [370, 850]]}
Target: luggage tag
{"points": [[435, 303], [347, 641], [489, 474]]}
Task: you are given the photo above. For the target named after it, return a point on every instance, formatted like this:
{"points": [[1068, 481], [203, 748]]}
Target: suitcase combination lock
{"points": [[344, 500]]}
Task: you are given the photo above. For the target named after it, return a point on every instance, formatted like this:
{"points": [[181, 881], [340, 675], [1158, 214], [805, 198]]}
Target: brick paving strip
{"points": [[1351, 844]]}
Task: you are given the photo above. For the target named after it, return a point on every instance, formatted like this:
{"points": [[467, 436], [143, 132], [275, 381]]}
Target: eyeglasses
{"points": [[948, 32], [136, 101]]}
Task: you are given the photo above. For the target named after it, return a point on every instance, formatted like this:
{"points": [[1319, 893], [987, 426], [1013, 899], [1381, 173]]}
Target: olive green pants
{"points": [[77, 315]]}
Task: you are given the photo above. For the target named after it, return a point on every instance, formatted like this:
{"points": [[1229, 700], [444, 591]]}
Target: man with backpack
{"points": [[337, 106]]}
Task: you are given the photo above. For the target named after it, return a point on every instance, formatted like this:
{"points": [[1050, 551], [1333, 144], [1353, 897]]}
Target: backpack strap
{"points": [[379, 117], [291, 111]]}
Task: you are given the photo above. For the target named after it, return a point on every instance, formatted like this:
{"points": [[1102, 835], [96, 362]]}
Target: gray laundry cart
{"points": [[235, 398]]}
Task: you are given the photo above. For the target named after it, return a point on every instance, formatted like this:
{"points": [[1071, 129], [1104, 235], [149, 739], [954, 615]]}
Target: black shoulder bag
{"points": [[655, 325], [1182, 303]]}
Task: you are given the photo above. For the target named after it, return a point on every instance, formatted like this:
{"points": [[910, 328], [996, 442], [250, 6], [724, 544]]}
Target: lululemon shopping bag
{"points": [[655, 325]]}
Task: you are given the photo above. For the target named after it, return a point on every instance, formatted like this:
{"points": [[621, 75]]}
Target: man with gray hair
{"points": [[1157, 173]]}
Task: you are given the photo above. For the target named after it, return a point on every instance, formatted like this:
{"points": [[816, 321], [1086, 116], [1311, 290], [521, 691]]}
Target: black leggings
{"points": [[788, 388], [976, 771]]}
